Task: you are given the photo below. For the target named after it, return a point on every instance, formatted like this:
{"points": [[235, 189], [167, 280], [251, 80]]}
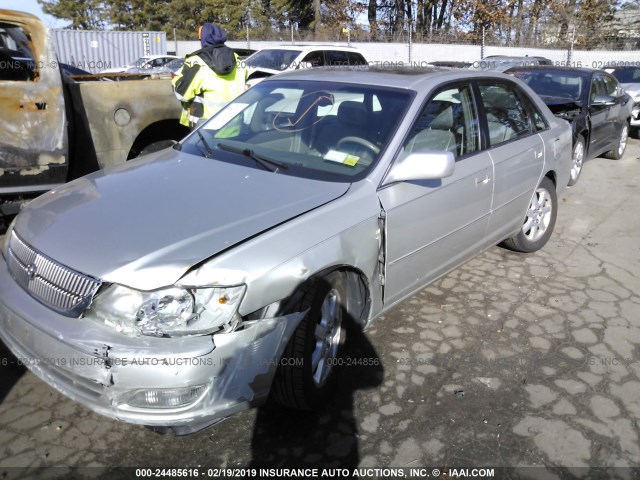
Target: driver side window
{"points": [[597, 87], [447, 123]]}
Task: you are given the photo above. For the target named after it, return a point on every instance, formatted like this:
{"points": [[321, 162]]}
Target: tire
{"points": [[621, 144], [577, 161], [539, 220], [307, 378]]}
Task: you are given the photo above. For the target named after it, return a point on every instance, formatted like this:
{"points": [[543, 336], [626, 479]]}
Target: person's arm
{"points": [[185, 83]]}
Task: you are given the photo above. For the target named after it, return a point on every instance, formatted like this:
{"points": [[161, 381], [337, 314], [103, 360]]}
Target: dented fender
{"points": [[331, 237]]}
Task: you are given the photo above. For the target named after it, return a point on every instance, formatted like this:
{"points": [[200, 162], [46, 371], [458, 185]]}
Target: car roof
{"points": [[405, 78], [553, 68], [516, 57]]}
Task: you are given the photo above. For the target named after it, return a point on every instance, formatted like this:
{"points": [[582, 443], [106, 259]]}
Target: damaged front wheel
{"points": [[306, 378]]}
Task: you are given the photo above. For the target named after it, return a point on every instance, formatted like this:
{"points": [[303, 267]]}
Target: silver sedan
{"points": [[198, 281]]}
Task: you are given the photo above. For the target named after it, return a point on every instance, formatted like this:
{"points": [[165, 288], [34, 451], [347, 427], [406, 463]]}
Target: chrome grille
{"points": [[64, 290]]}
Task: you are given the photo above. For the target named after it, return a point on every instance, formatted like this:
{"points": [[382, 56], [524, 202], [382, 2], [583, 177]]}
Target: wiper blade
{"points": [[208, 153], [259, 159]]}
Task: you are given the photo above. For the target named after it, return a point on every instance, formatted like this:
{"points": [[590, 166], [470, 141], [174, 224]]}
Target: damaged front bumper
{"points": [[635, 115], [186, 383]]}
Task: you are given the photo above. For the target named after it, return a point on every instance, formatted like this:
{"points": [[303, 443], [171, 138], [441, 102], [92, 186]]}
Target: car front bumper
{"points": [[635, 115], [102, 369]]}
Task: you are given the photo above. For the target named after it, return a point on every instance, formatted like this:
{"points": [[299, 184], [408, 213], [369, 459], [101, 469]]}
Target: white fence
{"points": [[421, 53]]}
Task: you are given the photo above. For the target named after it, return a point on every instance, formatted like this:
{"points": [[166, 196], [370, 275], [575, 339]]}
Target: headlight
{"points": [[168, 312], [5, 244]]}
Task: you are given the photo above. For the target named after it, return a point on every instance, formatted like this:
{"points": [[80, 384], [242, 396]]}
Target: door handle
{"points": [[484, 181]]}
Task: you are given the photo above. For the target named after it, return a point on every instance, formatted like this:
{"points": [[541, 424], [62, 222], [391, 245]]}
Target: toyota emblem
{"points": [[32, 270]]}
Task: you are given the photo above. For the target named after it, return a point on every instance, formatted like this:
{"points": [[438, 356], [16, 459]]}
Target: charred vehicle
{"points": [[592, 101], [629, 78], [192, 283], [56, 128]]}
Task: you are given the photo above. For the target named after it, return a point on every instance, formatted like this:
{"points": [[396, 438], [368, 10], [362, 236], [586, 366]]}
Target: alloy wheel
{"points": [[327, 337], [539, 215]]}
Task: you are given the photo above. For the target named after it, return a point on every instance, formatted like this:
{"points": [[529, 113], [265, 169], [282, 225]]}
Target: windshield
{"points": [[545, 83], [319, 130], [273, 59], [627, 75]]}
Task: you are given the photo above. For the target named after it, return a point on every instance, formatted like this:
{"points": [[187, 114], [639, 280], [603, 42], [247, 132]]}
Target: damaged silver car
{"points": [[193, 283]]}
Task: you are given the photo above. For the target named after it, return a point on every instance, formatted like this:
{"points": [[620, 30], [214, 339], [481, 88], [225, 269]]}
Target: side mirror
{"points": [[422, 165], [603, 101]]}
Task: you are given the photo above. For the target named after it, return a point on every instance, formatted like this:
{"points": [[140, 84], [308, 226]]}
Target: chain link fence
{"points": [[546, 36]]}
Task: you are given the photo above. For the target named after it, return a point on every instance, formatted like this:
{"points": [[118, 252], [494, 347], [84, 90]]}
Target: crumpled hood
{"points": [[144, 224], [632, 89]]}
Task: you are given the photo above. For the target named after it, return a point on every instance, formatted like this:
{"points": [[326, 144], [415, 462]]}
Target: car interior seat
{"points": [[437, 136]]}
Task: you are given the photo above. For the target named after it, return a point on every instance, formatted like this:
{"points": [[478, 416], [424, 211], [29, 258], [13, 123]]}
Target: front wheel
{"points": [[538, 221], [576, 162], [305, 377], [621, 144]]}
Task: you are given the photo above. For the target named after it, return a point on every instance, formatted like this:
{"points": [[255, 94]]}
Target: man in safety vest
{"points": [[209, 78]]}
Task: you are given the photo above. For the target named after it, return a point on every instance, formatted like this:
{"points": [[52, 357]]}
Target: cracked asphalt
{"points": [[511, 359]]}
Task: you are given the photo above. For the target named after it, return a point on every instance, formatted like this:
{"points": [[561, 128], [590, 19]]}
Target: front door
{"points": [[434, 225]]}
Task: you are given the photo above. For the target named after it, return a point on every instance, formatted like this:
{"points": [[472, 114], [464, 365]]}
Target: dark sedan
{"points": [[592, 101]]}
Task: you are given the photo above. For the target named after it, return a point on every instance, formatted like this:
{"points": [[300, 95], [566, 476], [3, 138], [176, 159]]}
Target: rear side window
{"points": [[507, 116], [336, 58], [539, 122], [356, 59], [316, 59]]}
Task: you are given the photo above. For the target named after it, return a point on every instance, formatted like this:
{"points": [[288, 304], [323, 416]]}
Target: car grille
{"points": [[62, 289]]}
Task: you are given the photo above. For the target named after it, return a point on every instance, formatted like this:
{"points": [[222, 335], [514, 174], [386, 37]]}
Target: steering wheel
{"points": [[360, 141]]}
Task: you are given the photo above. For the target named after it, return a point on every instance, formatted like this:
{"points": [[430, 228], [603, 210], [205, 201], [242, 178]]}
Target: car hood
{"points": [[144, 224], [631, 88]]}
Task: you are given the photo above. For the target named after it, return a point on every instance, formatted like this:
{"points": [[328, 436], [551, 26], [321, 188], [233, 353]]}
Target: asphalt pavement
{"points": [[511, 359]]}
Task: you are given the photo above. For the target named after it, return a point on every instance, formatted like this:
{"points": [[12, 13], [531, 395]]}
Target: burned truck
{"points": [[56, 127]]}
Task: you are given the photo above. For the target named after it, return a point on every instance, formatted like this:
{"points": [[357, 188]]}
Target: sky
{"points": [[32, 6]]}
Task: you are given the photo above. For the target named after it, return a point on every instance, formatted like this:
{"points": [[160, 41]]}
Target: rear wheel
{"points": [[306, 379], [576, 162], [621, 145], [538, 221]]}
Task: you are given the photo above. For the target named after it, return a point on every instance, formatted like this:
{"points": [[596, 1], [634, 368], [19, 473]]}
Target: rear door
{"points": [[33, 131], [517, 152]]}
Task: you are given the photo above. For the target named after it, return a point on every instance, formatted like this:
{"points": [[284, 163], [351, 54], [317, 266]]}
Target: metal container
{"points": [[94, 50]]}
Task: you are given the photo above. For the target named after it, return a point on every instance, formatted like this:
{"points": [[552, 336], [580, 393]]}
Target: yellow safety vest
{"points": [[207, 92]]}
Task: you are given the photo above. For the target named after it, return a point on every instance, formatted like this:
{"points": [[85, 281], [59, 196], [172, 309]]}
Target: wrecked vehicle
{"points": [[629, 78], [55, 128], [592, 101], [192, 283], [272, 61]]}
